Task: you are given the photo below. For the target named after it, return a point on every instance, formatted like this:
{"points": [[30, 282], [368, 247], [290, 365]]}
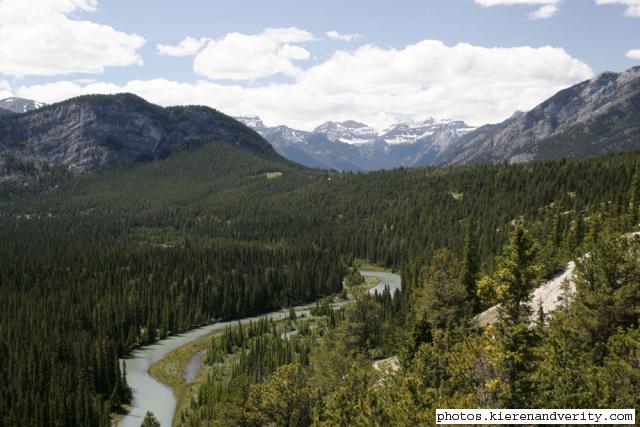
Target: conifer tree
{"points": [[281, 400], [633, 197], [514, 280], [470, 265], [150, 420]]}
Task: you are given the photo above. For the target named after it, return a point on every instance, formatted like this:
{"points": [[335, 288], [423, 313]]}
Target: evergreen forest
{"points": [[93, 266]]}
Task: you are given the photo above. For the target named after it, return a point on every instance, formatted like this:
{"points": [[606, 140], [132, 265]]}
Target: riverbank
{"points": [[170, 370], [149, 394], [156, 372]]}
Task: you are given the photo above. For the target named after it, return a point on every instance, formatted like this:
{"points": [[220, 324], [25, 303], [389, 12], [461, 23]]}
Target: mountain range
{"points": [[597, 116], [354, 146]]}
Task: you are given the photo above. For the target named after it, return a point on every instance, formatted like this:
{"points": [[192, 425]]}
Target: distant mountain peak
{"points": [[20, 105], [348, 132], [254, 122], [349, 124], [408, 132], [353, 145]]}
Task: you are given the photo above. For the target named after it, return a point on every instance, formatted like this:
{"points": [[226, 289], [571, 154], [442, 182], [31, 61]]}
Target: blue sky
{"points": [[599, 36], [411, 58]]}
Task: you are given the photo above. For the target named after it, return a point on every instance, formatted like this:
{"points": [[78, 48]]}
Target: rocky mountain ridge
{"points": [[597, 116], [88, 132], [355, 146]]}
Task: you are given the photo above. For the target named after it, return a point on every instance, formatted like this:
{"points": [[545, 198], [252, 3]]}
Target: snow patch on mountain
{"points": [[20, 105], [254, 122], [412, 131], [349, 132]]}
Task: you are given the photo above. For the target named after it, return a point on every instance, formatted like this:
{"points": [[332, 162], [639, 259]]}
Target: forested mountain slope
{"points": [[223, 191]]}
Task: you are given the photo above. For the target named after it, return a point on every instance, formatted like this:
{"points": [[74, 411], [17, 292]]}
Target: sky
{"points": [[304, 62]]}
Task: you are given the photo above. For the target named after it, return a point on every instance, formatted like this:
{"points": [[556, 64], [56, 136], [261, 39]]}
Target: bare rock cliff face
{"points": [[84, 133]]}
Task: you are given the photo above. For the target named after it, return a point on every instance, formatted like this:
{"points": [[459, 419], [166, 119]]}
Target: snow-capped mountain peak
{"points": [[411, 131], [288, 135], [284, 135], [352, 145], [349, 132], [20, 105], [254, 122]]}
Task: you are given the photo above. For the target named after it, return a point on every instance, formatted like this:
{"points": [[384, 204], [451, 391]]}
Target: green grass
{"points": [[170, 371], [272, 175], [163, 237], [367, 266]]}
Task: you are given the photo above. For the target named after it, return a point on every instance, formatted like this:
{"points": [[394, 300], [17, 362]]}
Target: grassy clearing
{"points": [[371, 282], [162, 237], [271, 175], [365, 265]]}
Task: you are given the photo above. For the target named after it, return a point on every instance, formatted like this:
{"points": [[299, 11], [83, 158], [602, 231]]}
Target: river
{"points": [[151, 395], [390, 280]]}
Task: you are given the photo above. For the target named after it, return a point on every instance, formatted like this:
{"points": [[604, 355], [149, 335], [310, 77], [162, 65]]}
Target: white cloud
{"points": [[189, 46], [633, 54], [247, 57], [546, 8], [5, 90], [632, 6], [374, 85], [11, 9], [290, 51], [37, 37], [343, 37], [544, 12]]}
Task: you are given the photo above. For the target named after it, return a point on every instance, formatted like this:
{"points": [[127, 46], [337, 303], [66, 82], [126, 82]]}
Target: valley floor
{"points": [[172, 369]]}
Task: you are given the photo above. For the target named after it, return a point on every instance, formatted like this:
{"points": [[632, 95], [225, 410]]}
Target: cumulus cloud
{"points": [[546, 8], [37, 37], [189, 46], [239, 56], [632, 6], [373, 85], [343, 37], [5, 89], [633, 54]]}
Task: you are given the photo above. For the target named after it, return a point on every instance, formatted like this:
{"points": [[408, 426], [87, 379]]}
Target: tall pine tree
{"points": [[471, 265]]}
